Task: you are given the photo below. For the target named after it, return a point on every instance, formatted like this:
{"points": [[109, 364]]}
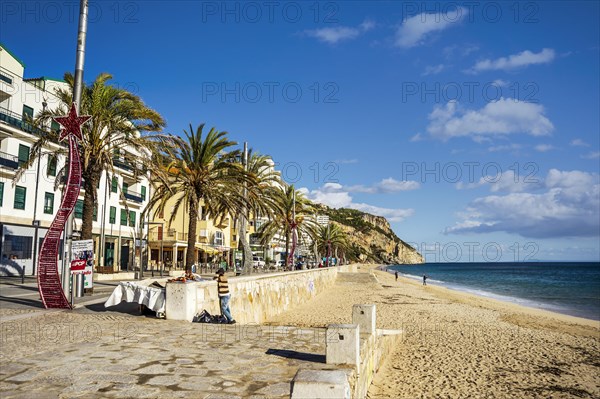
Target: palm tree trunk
{"points": [[90, 180], [246, 250], [287, 249], [190, 256]]}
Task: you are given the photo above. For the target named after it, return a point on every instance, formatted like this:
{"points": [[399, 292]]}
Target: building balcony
{"points": [[122, 164], [16, 120], [9, 161], [133, 196], [173, 235]]}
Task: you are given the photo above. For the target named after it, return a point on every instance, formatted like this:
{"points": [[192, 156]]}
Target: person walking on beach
{"points": [[425, 280], [396, 276], [224, 295]]}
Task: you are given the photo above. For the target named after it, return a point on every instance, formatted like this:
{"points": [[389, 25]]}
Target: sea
{"points": [[571, 288]]}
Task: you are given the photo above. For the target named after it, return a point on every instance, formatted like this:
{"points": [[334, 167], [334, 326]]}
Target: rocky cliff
{"points": [[371, 238]]}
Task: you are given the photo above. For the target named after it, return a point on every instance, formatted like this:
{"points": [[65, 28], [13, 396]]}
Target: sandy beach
{"points": [[458, 345]]}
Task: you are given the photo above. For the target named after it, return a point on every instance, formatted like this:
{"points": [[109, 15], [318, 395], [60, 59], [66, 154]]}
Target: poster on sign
{"points": [[82, 260]]}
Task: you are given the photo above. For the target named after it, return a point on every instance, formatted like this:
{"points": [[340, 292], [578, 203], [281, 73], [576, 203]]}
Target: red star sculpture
{"points": [[72, 123]]}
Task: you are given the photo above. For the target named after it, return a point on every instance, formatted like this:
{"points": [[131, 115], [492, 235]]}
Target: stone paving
{"points": [[94, 353]]}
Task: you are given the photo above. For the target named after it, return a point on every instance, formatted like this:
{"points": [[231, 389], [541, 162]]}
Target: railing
{"points": [[167, 236], [16, 120], [121, 163], [10, 161], [133, 196], [174, 235]]}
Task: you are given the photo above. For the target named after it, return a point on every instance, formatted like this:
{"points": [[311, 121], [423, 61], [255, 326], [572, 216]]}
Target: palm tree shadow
{"points": [[9, 267], [129, 308], [289, 354], [21, 301]]}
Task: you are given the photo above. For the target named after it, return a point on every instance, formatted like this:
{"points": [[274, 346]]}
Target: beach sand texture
{"points": [[458, 345]]}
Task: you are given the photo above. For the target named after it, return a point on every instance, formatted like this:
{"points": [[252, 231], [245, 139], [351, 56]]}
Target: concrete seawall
{"points": [[254, 299]]}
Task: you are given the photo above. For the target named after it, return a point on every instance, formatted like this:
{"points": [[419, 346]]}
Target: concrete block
{"points": [[181, 301], [343, 344], [320, 384], [364, 316]]}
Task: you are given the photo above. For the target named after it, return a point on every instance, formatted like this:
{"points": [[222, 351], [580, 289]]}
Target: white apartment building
{"points": [[28, 206]]}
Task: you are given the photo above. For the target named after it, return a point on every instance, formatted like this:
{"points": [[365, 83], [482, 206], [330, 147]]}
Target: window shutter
{"points": [[23, 154], [20, 197]]}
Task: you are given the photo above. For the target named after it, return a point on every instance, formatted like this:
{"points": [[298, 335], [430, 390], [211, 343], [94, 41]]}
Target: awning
{"points": [[207, 249]]}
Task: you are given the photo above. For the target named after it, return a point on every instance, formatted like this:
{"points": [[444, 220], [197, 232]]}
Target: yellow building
{"points": [[169, 243]]}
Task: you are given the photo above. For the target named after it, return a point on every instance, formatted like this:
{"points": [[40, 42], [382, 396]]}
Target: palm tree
{"points": [[198, 169], [260, 197], [118, 119], [292, 209], [331, 237]]}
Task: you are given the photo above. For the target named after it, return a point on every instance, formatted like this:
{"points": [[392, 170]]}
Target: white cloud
{"points": [[591, 155], [568, 206], [416, 137], [507, 181], [544, 147], [392, 215], [415, 30], [337, 196], [505, 147], [385, 186], [505, 116], [455, 50], [500, 83], [520, 60], [329, 194], [433, 69], [336, 34], [389, 185], [579, 143]]}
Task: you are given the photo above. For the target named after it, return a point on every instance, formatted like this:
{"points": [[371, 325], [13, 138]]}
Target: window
{"points": [[19, 246], [131, 218], [123, 217], [5, 79], [49, 203], [20, 197], [1, 192], [143, 193], [218, 238], [95, 214], [114, 184], [125, 187], [113, 215], [23, 154], [27, 112], [79, 209], [51, 169], [54, 126]]}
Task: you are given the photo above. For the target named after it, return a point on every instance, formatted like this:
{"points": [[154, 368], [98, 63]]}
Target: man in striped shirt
{"points": [[224, 295]]}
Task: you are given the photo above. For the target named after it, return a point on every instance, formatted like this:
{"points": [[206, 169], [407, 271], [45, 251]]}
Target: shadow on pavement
{"points": [[22, 301], [309, 357], [129, 308]]}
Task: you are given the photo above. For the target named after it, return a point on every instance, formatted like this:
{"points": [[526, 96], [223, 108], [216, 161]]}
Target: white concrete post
{"points": [[322, 384], [364, 316], [343, 344], [181, 301]]}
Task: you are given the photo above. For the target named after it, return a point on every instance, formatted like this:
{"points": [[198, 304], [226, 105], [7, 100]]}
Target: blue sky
{"points": [[473, 127]]}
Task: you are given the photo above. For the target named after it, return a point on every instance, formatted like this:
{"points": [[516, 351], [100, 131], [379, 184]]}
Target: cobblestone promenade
{"points": [[94, 353]]}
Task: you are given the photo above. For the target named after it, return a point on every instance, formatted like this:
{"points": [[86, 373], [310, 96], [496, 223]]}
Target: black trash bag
{"points": [[203, 317]]}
